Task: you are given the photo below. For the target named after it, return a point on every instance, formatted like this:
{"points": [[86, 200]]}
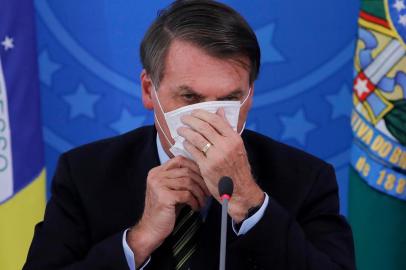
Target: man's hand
{"points": [[226, 157], [169, 186]]}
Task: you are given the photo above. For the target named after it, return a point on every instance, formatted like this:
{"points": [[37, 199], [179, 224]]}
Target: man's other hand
{"points": [[169, 187]]}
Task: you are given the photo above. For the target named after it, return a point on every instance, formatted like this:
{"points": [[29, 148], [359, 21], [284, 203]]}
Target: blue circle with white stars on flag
{"points": [[397, 14]]}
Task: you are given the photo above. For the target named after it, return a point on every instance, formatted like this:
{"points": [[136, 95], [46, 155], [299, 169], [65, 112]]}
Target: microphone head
{"points": [[225, 186]]}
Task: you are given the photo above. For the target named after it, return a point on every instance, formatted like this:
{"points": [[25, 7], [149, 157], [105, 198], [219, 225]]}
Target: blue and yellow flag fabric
{"points": [[22, 175], [378, 177]]}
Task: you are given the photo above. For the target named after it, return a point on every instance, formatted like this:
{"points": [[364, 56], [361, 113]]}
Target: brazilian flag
{"points": [[22, 175], [377, 206]]}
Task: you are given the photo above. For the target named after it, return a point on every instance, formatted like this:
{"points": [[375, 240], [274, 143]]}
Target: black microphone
{"points": [[225, 187]]}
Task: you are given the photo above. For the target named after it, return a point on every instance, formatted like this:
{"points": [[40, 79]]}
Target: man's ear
{"points": [[147, 88]]}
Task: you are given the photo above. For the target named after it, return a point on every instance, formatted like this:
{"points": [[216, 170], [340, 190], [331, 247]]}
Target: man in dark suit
{"points": [[148, 199]]}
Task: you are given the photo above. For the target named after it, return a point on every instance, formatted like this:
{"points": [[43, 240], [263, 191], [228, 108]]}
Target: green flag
{"points": [[377, 197]]}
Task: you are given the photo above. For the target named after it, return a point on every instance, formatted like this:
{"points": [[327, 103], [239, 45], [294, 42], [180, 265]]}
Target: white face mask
{"points": [[172, 118]]}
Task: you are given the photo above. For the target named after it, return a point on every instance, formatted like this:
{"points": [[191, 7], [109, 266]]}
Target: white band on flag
{"points": [[6, 161]]}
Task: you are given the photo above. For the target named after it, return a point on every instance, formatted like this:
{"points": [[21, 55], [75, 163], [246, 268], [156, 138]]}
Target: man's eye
{"points": [[189, 97], [231, 98]]}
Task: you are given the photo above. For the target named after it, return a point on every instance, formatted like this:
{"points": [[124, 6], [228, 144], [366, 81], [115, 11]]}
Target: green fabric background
{"points": [[379, 225]]}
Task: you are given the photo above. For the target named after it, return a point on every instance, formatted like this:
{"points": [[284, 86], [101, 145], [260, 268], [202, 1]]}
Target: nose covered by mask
{"points": [[173, 120]]}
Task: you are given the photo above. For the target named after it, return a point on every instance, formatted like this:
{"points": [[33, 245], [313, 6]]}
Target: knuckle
{"points": [[150, 180], [183, 196], [180, 181], [176, 160], [152, 185], [216, 120], [179, 158], [195, 136], [186, 181], [186, 171], [151, 172], [202, 126]]}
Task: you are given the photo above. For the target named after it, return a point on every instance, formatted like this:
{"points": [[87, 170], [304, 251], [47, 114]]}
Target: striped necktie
{"points": [[185, 237]]}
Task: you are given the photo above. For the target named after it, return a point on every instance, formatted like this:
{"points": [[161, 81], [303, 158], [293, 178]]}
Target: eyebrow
{"points": [[190, 90]]}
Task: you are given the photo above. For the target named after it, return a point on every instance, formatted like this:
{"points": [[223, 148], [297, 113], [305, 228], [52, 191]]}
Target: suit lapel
{"points": [[144, 161]]}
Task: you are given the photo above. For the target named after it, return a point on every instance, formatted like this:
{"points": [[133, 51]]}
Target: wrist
{"points": [[141, 243], [241, 206]]}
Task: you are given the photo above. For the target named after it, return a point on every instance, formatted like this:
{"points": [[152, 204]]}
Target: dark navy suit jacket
{"points": [[98, 191]]}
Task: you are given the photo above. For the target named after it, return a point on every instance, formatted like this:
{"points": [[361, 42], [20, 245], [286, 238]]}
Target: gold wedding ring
{"points": [[206, 148]]}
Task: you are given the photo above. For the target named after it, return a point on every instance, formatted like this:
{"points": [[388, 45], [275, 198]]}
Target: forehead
{"points": [[186, 64]]}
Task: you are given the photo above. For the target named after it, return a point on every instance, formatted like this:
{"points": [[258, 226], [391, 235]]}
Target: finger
{"points": [[182, 162], [196, 153], [198, 179], [203, 128], [188, 184], [183, 196], [187, 173], [175, 162], [193, 137], [220, 124], [188, 163]]}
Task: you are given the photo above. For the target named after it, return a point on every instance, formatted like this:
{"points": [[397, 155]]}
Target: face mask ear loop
{"points": [[163, 132], [242, 103], [243, 127], [157, 99], [246, 98], [156, 118]]}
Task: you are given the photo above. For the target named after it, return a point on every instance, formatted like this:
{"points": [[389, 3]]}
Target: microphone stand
{"points": [[225, 187], [223, 236]]}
